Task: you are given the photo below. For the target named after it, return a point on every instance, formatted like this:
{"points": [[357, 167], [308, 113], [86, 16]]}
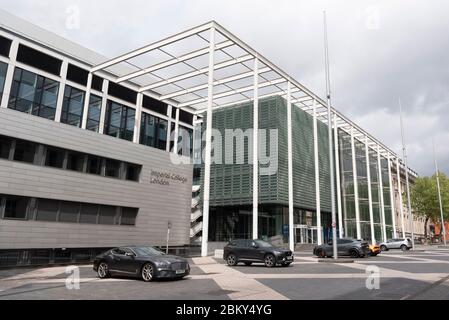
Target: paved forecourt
{"points": [[423, 274]]}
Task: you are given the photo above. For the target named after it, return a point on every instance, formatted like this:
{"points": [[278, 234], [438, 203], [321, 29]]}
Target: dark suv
{"points": [[249, 251], [345, 247]]}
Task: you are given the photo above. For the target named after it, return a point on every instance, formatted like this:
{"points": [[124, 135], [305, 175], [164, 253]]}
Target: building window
{"points": [[132, 172], [47, 210], [16, 207], [72, 107], [94, 164], [112, 168], [153, 131], [33, 94], [24, 151], [75, 161], [185, 141], [3, 69], [119, 121], [107, 215], [5, 147], [38, 59], [89, 213], [93, 114], [54, 157], [128, 217], [69, 211]]}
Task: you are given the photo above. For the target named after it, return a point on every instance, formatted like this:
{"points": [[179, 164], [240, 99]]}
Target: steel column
{"points": [[256, 150], [381, 195], [86, 101], [401, 203], [337, 175], [392, 206], [208, 149], [356, 187], [290, 168], [317, 176], [370, 196]]}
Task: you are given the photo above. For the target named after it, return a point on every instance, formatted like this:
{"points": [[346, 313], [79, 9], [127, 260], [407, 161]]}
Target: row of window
{"points": [[52, 65], [37, 95], [26, 208], [38, 154]]}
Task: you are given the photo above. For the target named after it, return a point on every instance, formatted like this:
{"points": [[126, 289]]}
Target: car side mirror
{"points": [[255, 246], [129, 254]]}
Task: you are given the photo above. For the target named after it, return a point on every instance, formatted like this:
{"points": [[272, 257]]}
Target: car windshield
{"points": [[263, 244], [148, 251]]}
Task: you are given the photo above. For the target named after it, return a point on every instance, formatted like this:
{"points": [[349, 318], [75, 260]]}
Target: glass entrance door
{"points": [[305, 234]]}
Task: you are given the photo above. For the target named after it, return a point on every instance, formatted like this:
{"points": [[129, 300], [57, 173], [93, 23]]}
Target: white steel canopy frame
{"points": [[206, 68]]}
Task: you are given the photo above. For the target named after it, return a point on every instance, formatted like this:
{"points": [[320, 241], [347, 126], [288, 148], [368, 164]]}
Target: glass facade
{"points": [[94, 113], [3, 69], [347, 187], [347, 184], [72, 106], [153, 131], [119, 121], [33, 94]]}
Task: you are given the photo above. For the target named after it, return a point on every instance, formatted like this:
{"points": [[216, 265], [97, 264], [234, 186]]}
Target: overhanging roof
{"points": [[175, 70]]}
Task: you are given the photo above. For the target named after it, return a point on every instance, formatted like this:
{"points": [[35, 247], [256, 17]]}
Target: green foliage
{"points": [[424, 197]]}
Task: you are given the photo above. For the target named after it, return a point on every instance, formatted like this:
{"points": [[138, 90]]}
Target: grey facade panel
{"points": [[157, 203]]}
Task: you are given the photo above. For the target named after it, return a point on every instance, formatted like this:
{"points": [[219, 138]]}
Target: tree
{"points": [[424, 199]]}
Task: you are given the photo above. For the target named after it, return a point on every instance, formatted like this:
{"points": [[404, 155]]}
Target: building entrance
{"points": [[305, 234]]}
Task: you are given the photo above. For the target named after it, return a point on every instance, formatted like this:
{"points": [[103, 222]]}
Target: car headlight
{"points": [[162, 264]]}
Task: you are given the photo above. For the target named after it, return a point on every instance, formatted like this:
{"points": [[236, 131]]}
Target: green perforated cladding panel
{"points": [[231, 184]]}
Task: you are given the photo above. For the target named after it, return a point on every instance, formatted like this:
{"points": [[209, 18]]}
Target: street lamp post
{"points": [[331, 156], [404, 153]]}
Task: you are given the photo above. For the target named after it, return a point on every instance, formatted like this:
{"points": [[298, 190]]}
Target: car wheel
{"points": [[270, 260], [383, 248], [404, 247], [147, 272], [248, 263], [354, 254], [231, 260], [320, 253], [103, 270]]}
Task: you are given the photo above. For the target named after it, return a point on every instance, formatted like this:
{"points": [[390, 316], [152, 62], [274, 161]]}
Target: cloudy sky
{"points": [[380, 51]]}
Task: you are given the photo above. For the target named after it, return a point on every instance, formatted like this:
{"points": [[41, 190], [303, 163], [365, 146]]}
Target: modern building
{"points": [[84, 161], [88, 160]]}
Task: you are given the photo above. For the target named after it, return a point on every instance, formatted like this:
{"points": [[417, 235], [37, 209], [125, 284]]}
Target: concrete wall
{"points": [[157, 203]]}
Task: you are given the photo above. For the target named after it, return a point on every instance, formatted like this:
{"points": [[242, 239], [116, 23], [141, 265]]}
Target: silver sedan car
{"points": [[398, 243]]}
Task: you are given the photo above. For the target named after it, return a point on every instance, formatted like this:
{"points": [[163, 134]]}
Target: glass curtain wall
{"points": [[347, 184], [375, 195], [387, 199], [362, 184]]}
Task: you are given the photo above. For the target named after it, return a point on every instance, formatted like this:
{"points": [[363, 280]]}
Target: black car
{"points": [[147, 263], [345, 247], [249, 251]]}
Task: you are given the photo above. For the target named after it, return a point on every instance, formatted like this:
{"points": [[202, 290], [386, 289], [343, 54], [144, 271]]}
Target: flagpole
{"points": [[443, 228], [329, 124], [404, 154]]}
